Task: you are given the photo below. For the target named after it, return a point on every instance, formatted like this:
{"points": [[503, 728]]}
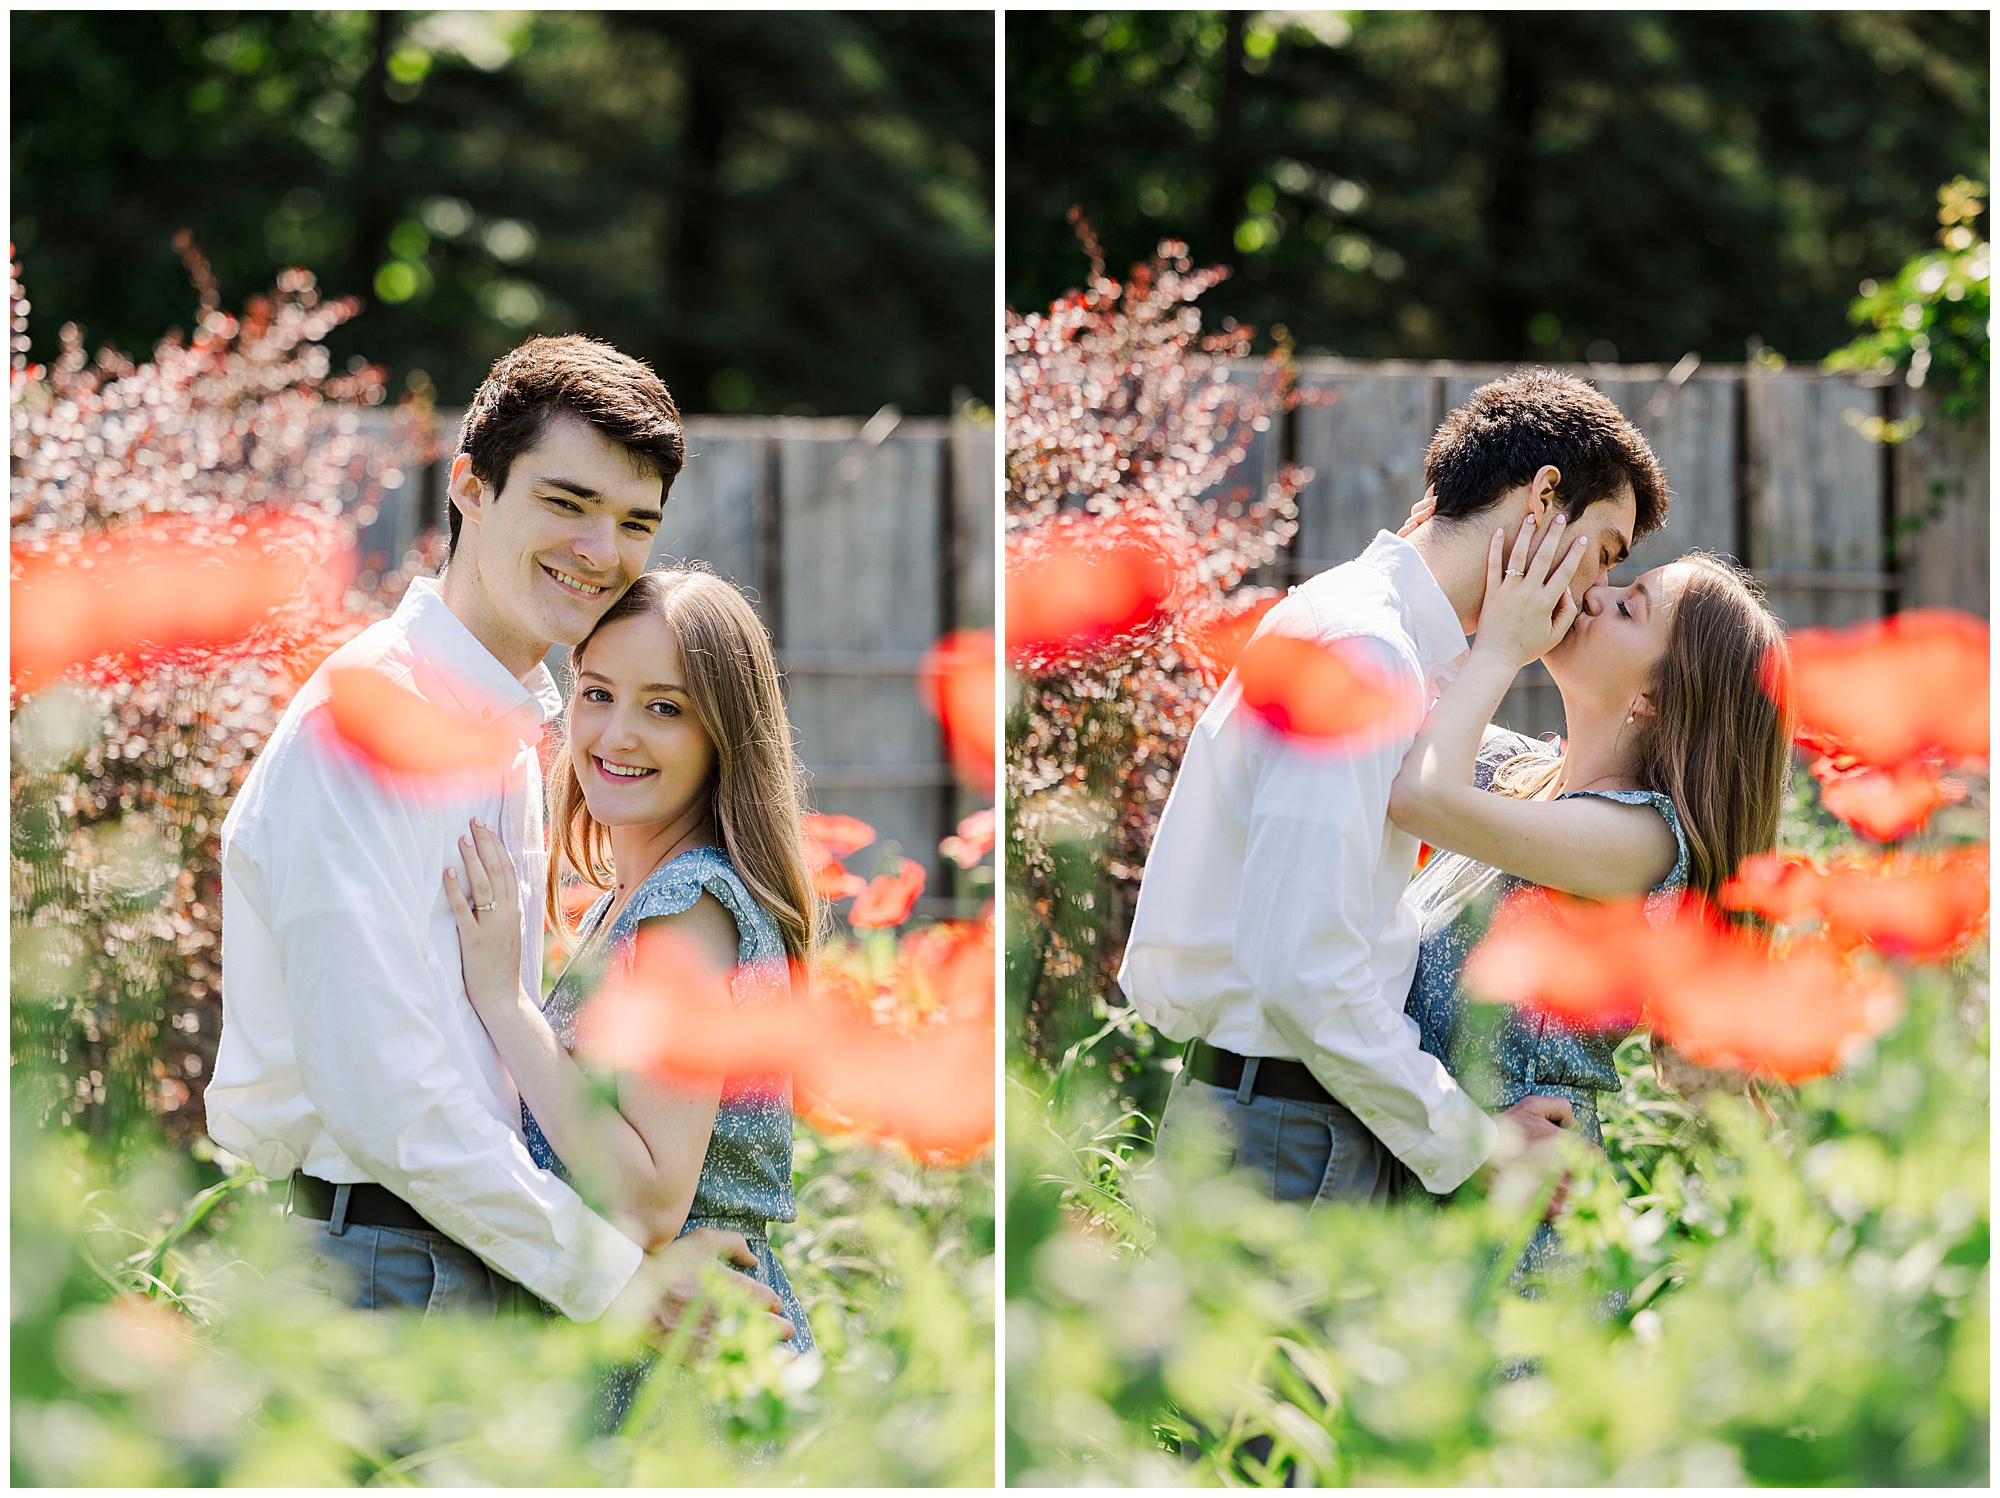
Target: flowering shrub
{"points": [[1932, 320], [180, 482], [1127, 549]]}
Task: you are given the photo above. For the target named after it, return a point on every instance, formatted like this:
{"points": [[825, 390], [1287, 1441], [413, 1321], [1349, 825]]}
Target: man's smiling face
{"points": [[569, 530]]}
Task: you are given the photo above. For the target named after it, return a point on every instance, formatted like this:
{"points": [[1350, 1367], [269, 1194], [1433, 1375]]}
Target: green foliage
{"points": [[1932, 321], [1804, 1304], [1607, 184], [1786, 1289], [158, 1339], [778, 213]]}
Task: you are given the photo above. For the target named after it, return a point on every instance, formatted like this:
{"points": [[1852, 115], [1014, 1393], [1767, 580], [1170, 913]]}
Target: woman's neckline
{"points": [[621, 894]]}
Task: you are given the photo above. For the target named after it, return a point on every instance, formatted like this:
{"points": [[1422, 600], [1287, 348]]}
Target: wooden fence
{"points": [[860, 543], [1771, 467]]}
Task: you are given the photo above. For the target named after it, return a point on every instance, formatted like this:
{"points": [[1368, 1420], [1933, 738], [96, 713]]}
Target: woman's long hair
{"points": [[1717, 743], [757, 792]]}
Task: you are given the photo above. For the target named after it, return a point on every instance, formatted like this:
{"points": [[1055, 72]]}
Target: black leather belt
{"points": [[1275, 1077], [368, 1205]]}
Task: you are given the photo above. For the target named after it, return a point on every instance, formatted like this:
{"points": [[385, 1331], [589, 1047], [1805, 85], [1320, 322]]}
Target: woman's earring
{"points": [[1629, 717]]}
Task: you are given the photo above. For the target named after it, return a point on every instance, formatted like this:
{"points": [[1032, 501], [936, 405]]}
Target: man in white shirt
{"points": [[350, 1058], [1271, 930]]}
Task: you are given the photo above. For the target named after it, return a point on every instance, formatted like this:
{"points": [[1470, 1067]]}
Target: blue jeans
{"points": [[380, 1269], [1310, 1152]]}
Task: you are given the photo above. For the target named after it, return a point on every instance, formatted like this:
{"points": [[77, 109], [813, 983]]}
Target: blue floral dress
{"points": [[746, 1179], [1525, 1053]]}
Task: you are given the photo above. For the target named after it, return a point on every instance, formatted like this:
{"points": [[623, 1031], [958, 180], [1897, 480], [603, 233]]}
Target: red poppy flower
{"points": [[399, 733], [1890, 690], [1791, 1017], [889, 898], [929, 1090], [956, 684], [157, 586], [1884, 804], [1720, 997], [1922, 909], [837, 836], [973, 840], [1324, 693], [1217, 637], [1080, 581]]}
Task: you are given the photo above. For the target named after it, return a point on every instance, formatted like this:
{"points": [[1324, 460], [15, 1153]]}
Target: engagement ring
{"points": [[487, 906]]}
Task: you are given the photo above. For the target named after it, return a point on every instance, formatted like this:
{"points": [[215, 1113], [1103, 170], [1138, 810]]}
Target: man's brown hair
{"points": [[1501, 438], [613, 393]]}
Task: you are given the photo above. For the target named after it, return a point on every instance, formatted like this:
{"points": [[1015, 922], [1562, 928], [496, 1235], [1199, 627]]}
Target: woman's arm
{"points": [[648, 1153], [1584, 846]]}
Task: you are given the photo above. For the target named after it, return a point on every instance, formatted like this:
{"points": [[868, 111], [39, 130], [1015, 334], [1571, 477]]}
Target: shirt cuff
{"points": [[1460, 1143], [580, 1279]]}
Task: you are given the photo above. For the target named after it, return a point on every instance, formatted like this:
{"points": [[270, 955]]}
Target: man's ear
{"points": [[464, 489], [1542, 489]]}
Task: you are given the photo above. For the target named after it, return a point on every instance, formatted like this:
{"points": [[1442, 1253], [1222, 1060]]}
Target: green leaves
{"points": [[1798, 1298]]}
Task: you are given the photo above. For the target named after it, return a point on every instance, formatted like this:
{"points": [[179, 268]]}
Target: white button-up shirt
{"points": [[349, 1048], [1271, 918]]}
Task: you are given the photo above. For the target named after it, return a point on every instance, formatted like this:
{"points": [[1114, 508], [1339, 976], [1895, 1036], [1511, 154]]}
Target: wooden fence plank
{"points": [[1943, 510], [860, 568], [1816, 493], [977, 509], [711, 513], [1691, 427], [1364, 439]]}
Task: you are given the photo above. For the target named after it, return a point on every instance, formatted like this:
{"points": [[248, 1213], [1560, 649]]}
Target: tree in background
{"points": [[781, 213], [1552, 185]]}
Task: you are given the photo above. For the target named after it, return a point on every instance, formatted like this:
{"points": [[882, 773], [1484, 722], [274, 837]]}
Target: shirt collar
{"points": [[465, 669], [1433, 621]]}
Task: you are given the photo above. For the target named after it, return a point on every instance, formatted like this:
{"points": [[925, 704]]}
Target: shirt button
{"points": [[485, 713]]}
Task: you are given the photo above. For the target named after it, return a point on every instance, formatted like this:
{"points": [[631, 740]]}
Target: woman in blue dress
{"points": [[1673, 771], [678, 793]]}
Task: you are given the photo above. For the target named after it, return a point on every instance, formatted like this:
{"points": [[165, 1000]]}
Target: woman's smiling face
{"points": [[641, 754]]}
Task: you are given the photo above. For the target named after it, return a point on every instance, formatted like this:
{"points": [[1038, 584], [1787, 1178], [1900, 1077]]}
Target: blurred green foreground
{"points": [[1804, 1304], [157, 1341]]}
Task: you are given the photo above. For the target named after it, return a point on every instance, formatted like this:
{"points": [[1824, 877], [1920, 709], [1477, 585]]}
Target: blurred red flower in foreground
{"points": [[400, 733], [152, 587], [889, 898], [1079, 581], [1790, 1017], [1920, 908], [1217, 636], [956, 683], [1884, 804], [916, 1071], [1891, 690], [1719, 997], [837, 836], [828, 839], [1325, 693], [973, 840]]}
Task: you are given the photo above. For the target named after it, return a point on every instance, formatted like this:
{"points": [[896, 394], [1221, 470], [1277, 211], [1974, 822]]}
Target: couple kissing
{"points": [[1279, 929]]}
